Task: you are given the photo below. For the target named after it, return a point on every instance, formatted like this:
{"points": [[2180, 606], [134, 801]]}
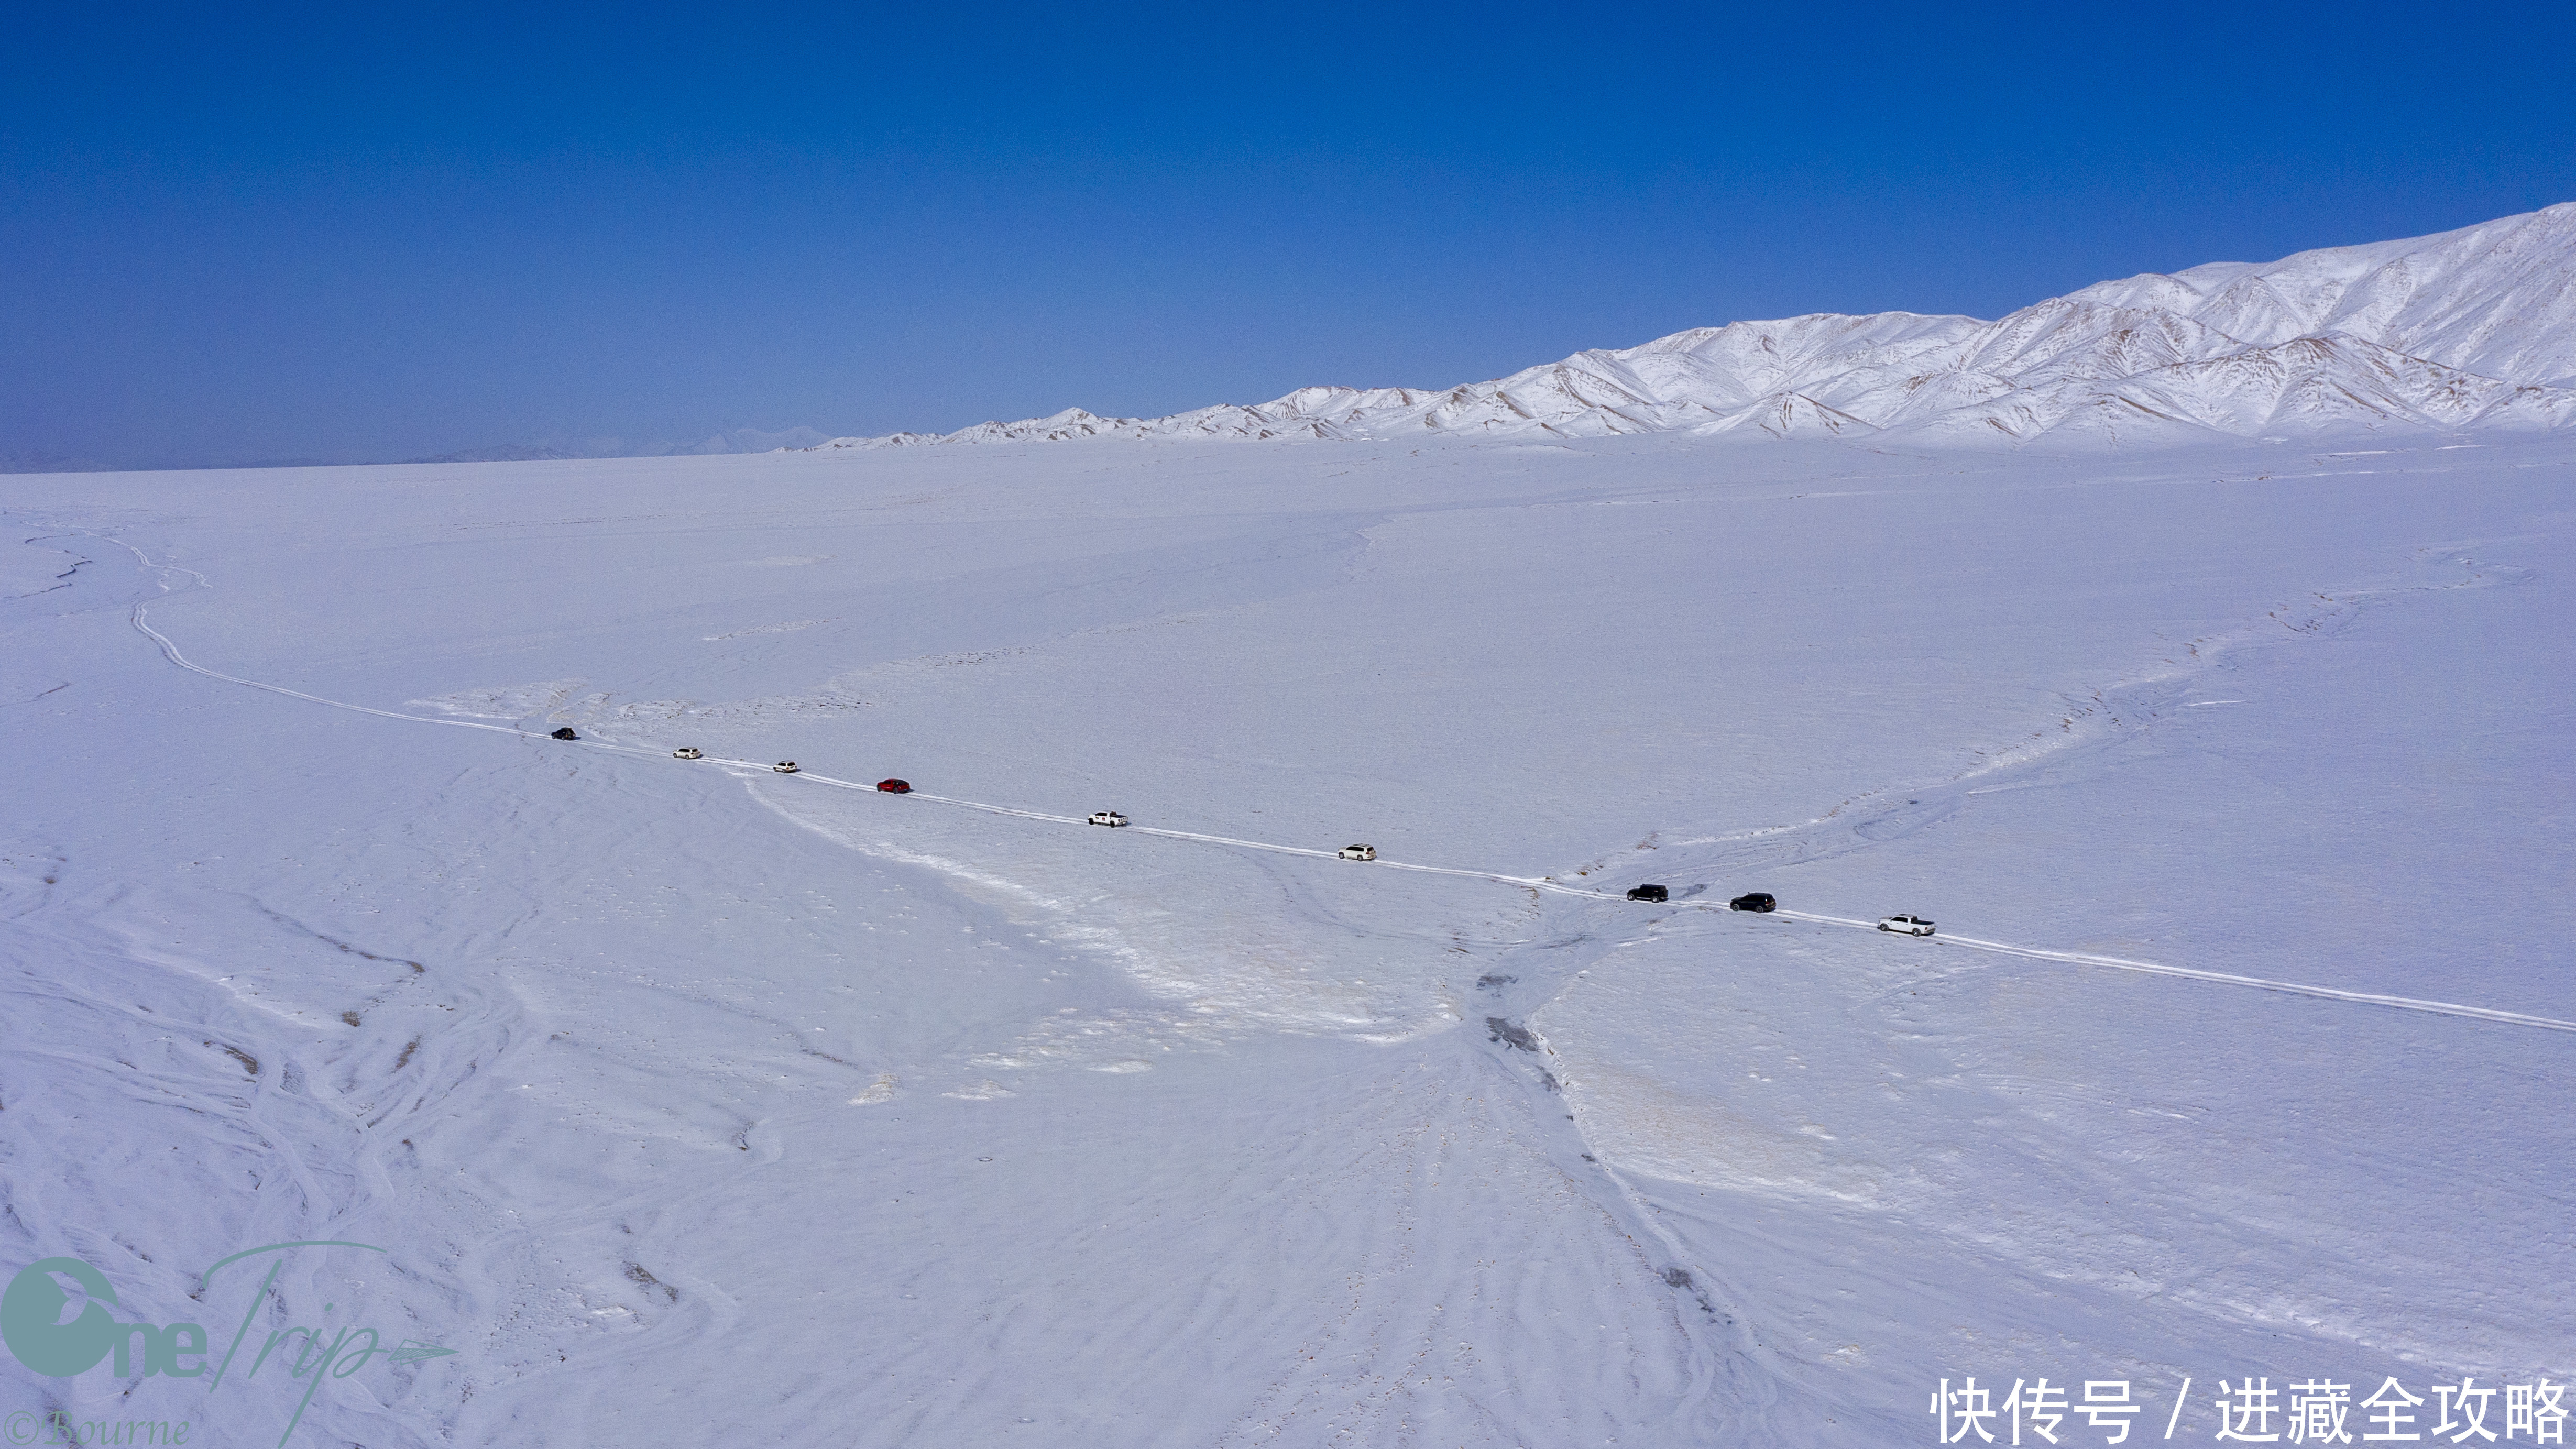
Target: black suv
{"points": [[1756, 901], [1649, 893]]}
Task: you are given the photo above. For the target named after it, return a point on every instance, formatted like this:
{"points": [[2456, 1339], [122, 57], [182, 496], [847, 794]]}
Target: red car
{"points": [[895, 787]]}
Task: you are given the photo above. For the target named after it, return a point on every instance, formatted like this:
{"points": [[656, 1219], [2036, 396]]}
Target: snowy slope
{"points": [[2497, 299], [2471, 329]]}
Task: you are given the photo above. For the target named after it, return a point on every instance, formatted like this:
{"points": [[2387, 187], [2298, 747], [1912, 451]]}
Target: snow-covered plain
{"points": [[696, 1103]]}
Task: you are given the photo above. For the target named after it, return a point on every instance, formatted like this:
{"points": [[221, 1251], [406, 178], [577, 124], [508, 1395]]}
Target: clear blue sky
{"points": [[362, 232]]}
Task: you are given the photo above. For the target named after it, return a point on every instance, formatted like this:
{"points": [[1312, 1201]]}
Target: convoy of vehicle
{"points": [[1758, 902]]}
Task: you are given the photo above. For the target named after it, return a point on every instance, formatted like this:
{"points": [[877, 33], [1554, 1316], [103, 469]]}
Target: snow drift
{"points": [[2473, 328]]}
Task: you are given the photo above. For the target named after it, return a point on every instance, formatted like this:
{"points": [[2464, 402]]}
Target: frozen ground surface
{"points": [[695, 1103]]}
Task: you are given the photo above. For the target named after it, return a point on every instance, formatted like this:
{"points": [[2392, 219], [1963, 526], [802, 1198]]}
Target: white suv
{"points": [[1907, 925]]}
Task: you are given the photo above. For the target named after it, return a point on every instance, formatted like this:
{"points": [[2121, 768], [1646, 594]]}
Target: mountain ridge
{"points": [[2463, 329]]}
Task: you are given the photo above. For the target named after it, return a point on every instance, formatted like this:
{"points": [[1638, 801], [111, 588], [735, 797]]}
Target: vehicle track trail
{"points": [[2336, 608]]}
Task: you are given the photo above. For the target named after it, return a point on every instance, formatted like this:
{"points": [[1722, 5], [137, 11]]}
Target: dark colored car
{"points": [[895, 787], [1755, 901], [1649, 893], [566, 733]]}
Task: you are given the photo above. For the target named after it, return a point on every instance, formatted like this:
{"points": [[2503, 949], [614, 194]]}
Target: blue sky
{"points": [[355, 233]]}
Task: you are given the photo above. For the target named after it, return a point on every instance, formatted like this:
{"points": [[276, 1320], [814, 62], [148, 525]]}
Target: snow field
{"points": [[680, 1125]]}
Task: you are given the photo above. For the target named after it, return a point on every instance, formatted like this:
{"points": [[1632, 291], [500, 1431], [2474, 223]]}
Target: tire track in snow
{"points": [[1538, 883], [171, 652], [2224, 978], [1531, 882]]}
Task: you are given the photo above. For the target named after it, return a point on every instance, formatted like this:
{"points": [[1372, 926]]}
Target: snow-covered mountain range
{"points": [[2469, 329]]}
